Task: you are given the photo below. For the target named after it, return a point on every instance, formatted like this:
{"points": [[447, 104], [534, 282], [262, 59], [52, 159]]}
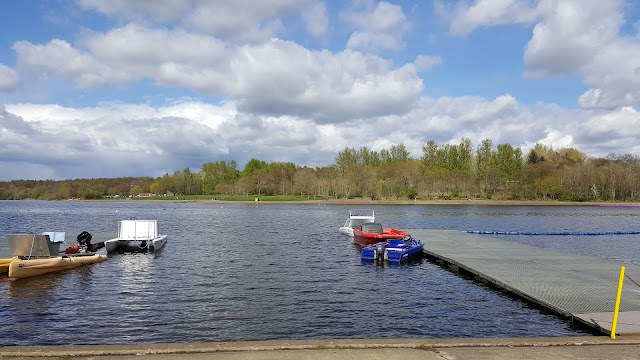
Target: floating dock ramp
{"points": [[573, 286]]}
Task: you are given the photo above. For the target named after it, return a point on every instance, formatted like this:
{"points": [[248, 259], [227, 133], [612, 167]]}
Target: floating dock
{"points": [[573, 286]]}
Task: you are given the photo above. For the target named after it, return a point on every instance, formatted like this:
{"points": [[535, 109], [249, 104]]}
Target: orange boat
{"points": [[372, 233]]}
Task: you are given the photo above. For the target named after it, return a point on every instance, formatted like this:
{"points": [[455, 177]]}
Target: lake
{"points": [[235, 272]]}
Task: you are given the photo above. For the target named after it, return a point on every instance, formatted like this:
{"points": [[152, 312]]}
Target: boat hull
{"points": [[158, 243], [4, 264], [356, 218], [346, 230], [393, 251], [364, 238], [115, 244], [26, 268]]}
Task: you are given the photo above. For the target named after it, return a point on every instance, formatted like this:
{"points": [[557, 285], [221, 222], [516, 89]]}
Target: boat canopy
{"points": [[34, 246], [137, 229], [357, 217]]}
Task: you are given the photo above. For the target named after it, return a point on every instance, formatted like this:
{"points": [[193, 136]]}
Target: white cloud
{"points": [[316, 19], [277, 77], [570, 37], [617, 124], [377, 28], [245, 21], [9, 79], [614, 75], [427, 62], [583, 37], [125, 55], [59, 59], [158, 10], [117, 139], [321, 85], [447, 119], [466, 18]]}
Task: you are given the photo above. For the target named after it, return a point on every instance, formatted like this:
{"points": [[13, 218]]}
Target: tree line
{"points": [[443, 171]]}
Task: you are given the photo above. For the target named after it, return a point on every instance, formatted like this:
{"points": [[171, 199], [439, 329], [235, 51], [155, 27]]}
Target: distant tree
{"points": [[533, 157], [346, 159], [484, 159], [216, 173], [135, 190], [509, 160], [254, 165]]}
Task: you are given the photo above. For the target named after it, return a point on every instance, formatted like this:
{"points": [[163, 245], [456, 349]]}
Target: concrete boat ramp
{"points": [[573, 286]]}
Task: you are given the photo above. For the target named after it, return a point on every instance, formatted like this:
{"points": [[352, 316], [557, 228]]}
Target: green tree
{"points": [[254, 165], [346, 159], [484, 158], [215, 173]]}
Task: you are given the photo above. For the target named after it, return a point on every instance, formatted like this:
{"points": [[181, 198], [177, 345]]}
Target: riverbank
{"points": [[579, 347]]}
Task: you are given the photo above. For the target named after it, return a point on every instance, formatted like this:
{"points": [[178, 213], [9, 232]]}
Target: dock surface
{"points": [[576, 286]]}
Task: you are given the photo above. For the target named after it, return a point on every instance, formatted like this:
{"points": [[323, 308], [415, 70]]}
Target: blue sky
{"points": [[92, 88]]}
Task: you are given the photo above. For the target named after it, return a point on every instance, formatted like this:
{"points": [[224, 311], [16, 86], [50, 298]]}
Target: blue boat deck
{"points": [[575, 286]]}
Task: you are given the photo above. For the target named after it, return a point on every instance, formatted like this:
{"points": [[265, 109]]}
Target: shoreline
{"points": [[361, 202]]}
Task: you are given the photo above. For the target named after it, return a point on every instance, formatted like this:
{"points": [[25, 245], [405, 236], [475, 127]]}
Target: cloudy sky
{"points": [[109, 88]]}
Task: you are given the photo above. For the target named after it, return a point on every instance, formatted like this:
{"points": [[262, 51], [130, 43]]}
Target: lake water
{"points": [[232, 272]]}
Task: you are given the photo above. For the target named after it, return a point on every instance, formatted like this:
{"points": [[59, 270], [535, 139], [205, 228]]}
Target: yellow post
{"points": [[614, 322]]}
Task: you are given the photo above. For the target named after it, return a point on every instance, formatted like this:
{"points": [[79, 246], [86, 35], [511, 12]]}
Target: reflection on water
{"points": [[241, 272]]}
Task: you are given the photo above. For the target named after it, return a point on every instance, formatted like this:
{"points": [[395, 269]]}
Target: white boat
{"points": [[357, 217], [140, 235]]}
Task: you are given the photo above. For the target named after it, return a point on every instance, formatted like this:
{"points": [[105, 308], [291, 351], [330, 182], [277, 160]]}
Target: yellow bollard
{"points": [[614, 322]]}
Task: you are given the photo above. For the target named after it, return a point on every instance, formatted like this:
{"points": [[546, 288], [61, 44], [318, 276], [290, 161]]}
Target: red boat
{"points": [[372, 233]]}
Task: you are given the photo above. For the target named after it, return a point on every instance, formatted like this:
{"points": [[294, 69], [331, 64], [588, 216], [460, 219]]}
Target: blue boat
{"points": [[393, 251]]}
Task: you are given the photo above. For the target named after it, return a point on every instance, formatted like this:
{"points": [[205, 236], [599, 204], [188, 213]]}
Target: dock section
{"points": [[580, 287]]}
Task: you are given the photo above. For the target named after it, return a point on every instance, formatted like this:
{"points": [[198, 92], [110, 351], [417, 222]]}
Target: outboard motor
{"points": [[380, 252]]}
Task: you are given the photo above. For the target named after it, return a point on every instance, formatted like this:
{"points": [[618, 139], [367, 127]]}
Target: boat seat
{"points": [[375, 228]]}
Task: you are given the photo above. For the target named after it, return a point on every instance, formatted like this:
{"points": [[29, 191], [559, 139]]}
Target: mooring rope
{"points": [[552, 232]]}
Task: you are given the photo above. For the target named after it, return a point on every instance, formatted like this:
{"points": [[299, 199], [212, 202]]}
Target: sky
{"points": [[114, 88]]}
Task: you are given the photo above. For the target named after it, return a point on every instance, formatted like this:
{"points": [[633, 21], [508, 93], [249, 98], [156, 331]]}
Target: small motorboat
{"points": [[40, 254], [371, 233], [393, 251], [357, 217], [48, 244], [137, 236]]}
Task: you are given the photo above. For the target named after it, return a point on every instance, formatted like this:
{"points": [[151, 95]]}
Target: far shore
{"points": [[364, 202]]}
